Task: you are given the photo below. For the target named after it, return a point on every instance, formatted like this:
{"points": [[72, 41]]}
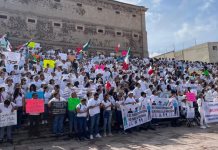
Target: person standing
{"points": [[200, 101], [94, 112], [58, 116], [7, 107], [82, 113]]}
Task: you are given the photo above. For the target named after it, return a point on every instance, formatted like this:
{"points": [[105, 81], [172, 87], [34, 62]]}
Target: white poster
{"points": [[8, 119], [134, 115], [211, 112], [63, 56], [11, 59]]}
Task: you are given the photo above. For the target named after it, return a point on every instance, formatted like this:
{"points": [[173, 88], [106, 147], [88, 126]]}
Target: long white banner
{"points": [[211, 112], [134, 115], [8, 119]]}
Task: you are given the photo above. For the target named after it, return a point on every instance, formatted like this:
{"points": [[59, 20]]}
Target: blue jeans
{"points": [[45, 114], [72, 121], [94, 127], [19, 116], [82, 126], [2, 132], [58, 124], [107, 120]]}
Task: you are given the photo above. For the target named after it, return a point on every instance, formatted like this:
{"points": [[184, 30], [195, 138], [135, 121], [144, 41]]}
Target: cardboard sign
{"points": [[72, 103], [63, 56], [211, 112], [11, 59], [28, 95], [51, 63], [191, 97], [8, 119], [34, 106], [58, 108], [71, 57]]}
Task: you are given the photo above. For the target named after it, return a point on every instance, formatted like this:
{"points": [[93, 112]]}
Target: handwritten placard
{"points": [[58, 108], [34, 106], [8, 119]]}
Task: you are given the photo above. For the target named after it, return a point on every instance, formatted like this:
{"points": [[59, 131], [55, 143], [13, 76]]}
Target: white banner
{"points": [[160, 109], [134, 115], [211, 112], [8, 119]]}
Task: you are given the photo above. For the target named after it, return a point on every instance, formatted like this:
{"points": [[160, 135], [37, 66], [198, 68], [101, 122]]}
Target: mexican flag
{"points": [[4, 43], [86, 46], [126, 61]]}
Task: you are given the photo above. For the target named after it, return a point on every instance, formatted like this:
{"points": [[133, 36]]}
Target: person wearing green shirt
{"points": [[73, 101]]}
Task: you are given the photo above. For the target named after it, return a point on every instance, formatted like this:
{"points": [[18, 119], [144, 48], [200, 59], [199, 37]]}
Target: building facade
{"points": [[206, 52], [67, 24]]}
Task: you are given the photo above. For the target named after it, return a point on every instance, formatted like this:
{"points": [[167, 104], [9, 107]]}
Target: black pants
{"points": [[34, 125]]}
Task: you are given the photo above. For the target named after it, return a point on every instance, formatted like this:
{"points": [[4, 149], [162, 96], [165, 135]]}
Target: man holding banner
{"points": [[8, 117]]}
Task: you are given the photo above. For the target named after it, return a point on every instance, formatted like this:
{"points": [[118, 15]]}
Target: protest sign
{"points": [[211, 112], [28, 95], [71, 58], [134, 115], [160, 112], [34, 106], [8, 119], [51, 63], [191, 97], [63, 56], [11, 59], [72, 103], [58, 108], [209, 97]]}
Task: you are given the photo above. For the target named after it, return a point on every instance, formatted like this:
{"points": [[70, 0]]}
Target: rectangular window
{"points": [[117, 12], [99, 8], [101, 31], [31, 20], [57, 24], [119, 33], [57, 1], [80, 28], [134, 15], [79, 4], [214, 47], [3, 17], [135, 35]]}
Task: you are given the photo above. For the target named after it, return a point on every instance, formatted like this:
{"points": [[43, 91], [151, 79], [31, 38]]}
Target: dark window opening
{"points": [[57, 24], [117, 12], [99, 8], [57, 1], [79, 4], [214, 47], [136, 35], [134, 15], [100, 31], [79, 28], [32, 20], [3, 17], [119, 33]]}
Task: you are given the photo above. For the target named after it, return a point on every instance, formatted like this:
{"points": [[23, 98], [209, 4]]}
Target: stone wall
{"points": [[56, 22]]}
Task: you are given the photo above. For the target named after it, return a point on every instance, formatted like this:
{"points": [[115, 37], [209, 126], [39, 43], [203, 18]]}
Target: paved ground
{"points": [[180, 138]]}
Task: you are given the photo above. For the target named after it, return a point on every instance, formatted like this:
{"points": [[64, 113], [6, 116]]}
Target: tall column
{"points": [[144, 33]]}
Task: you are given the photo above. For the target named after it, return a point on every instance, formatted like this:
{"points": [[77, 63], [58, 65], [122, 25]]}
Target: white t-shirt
{"points": [[7, 109], [19, 101], [82, 108], [106, 104], [129, 100], [95, 110]]}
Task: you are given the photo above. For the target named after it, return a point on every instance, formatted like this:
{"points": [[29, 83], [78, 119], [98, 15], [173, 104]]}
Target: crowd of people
{"points": [[98, 92]]}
